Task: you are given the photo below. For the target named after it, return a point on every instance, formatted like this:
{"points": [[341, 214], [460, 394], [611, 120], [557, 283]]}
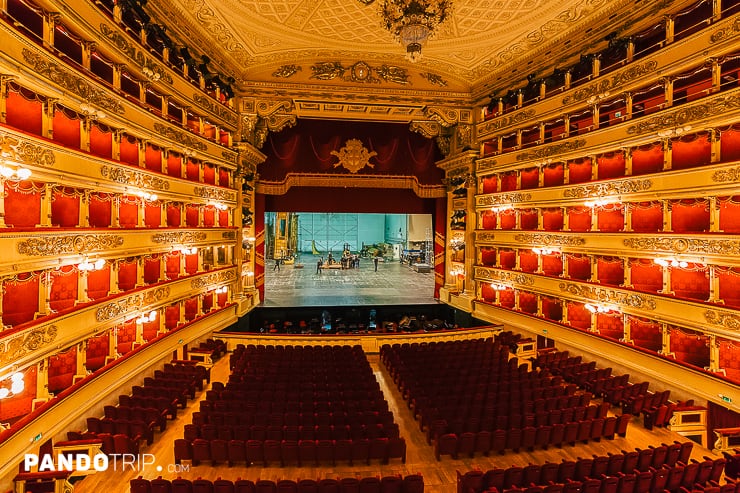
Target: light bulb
{"points": [[683, 264], [17, 387], [99, 264], [17, 377], [24, 173], [4, 393], [6, 172]]}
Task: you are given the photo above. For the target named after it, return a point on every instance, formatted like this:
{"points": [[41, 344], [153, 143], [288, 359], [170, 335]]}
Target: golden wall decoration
{"points": [[218, 109], [230, 156], [351, 181], [485, 164], [444, 116], [228, 235], [20, 344], [131, 303], [354, 156], [606, 189], [23, 151], [685, 245], [288, 70], [68, 244], [686, 114], [137, 56], [499, 199], [484, 236], [612, 82], [604, 295], [359, 72], [428, 128], [550, 239], [214, 193], [134, 178], [729, 321], [552, 150], [725, 175], [726, 32], [179, 137], [506, 121], [78, 85], [483, 273], [179, 237], [434, 79], [214, 278]]}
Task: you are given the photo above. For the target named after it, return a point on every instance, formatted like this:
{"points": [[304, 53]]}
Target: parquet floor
{"points": [[439, 477]]}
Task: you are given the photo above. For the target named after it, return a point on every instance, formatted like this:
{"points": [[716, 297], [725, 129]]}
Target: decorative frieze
{"points": [[137, 56], [359, 72], [228, 235], [74, 83], [484, 236], [19, 345], [604, 295], [485, 164], [725, 320], [726, 32], [549, 239], [216, 108], [506, 121], [552, 150], [230, 156], [180, 137], [434, 79], [24, 151], [727, 175], [613, 82], [607, 189], [131, 303], [506, 198], [686, 114], [179, 237], [285, 71], [214, 193], [214, 278], [685, 245], [134, 178], [69, 244], [482, 273]]}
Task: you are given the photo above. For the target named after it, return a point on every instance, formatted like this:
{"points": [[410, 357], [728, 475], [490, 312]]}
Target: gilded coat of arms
{"points": [[354, 156]]}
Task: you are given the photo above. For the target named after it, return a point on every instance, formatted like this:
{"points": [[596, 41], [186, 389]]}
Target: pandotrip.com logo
{"points": [[85, 463]]}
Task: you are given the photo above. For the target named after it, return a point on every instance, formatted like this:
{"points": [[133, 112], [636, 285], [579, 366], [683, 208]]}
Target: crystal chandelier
{"points": [[412, 22]]}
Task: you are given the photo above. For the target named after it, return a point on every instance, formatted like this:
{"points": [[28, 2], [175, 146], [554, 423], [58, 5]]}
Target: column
{"points": [[566, 220], [47, 118], [566, 173], [627, 283], [183, 219], [517, 219], [713, 285], [564, 304], [564, 263], [541, 136], [82, 296], [595, 65], [669, 29], [112, 345], [50, 19], [113, 278], [666, 280], [568, 78], [628, 161], [594, 323], [139, 341], [566, 125], [628, 105], [539, 263], [470, 226], [518, 146], [627, 337], [45, 293], [116, 145], [182, 319], [184, 167], [85, 129], [594, 167], [84, 218], [163, 267], [165, 156], [46, 205], [201, 170], [140, 272], [163, 213], [200, 254], [713, 215], [199, 313], [667, 226], [88, 47], [497, 300], [517, 265], [594, 268], [42, 383], [499, 144], [498, 258], [539, 306], [630, 49], [115, 206], [162, 322], [165, 104], [519, 98], [715, 145], [541, 172], [595, 112], [117, 69], [4, 79], [667, 161], [595, 218], [201, 210], [183, 270], [716, 74], [628, 217], [80, 371], [714, 354], [516, 300], [666, 339], [142, 91], [142, 153], [540, 219], [141, 213], [2, 203]]}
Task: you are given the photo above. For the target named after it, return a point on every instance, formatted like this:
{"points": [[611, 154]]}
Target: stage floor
{"points": [[393, 284]]}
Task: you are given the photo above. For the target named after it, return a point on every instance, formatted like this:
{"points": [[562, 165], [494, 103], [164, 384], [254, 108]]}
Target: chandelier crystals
{"points": [[412, 22]]}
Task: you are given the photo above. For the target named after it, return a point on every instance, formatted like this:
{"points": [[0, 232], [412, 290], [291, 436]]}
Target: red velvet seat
{"points": [[643, 481], [219, 451], [597, 429], [122, 444], [308, 486], [140, 485], [391, 484], [557, 435], [622, 423], [181, 485], [549, 472], [498, 441], [286, 486], [531, 474], [289, 453], [265, 486], [609, 484], [584, 469], [483, 442], [370, 484], [183, 450], [244, 486], [378, 449], [466, 443], [413, 483], [571, 433], [360, 451], [329, 485], [272, 452], [201, 450], [255, 452], [626, 483], [349, 485], [599, 466], [203, 486], [644, 459], [513, 477], [160, 485], [446, 445], [566, 470], [343, 450]]}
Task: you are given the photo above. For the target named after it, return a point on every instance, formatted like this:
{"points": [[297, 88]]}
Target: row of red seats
{"points": [[323, 432], [299, 452], [162, 404], [542, 388], [313, 391], [147, 414], [733, 463], [136, 429], [413, 483], [109, 443], [374, 412]]}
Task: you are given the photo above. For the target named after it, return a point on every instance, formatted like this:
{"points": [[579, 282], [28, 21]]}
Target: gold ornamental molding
{"points": [[613, 82], [179, 237], [19, 345], [684, 115], [448, 117], [552, 150], [179, 137], [23, 151], [730, 321], [134, 178], [507, 198], [130, 304], [137, 56], [506, 121], [228, 235], [726, 32], [483, 273], [210, 279], [214, 193], [485, 236], [459, 164], [78, 85], [685, 245], [607, 189], [725, 175], [550, 239], [230, 156], [485, 164], [604, 295], [428, 128], [216, 108], [66, 244], [350, 181], [354, 156], [359, 72]]}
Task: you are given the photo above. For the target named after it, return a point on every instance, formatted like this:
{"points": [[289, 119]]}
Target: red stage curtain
{"points": [[24, 109], [552, 309], [126, 337], [192, 170], [646, 333], [128, 211], [647, 217], [129, 150], [126, 275], [690, 282], [150, 329], [729, 358], [62, 369], [100, 210], [173, 215], [174, 164], [508, 181], [151, 270], [578, 316], [610, 218], [528, 260], [488, 220], [554, 175], [610, 325], [209, 174], [579, 170], [579, 218], [487, 293], [579, 266], [20, 298], [63, 288], [98, 283], [191, 308], [488, 256], [223, 219], [730, 144], [646, 275], [65, 207], [66, 124], [171, 316], [101, 140], [610, 270], [191, 216], [552, 264], [530, 178], [172, 265], [729, 285], [528, 219], [153, 214], [20, 404], [552, 219], [153, 157], [611, 165], [690, 215], [223, 177], [507, 259], [729, 213], [191, 263], [528, 302], [506, 298], [647, 159], [689, 346], [490, 183], [507, 219], [259, 244], [23, 203], [97, 351], [690, 151], [209, 216]]}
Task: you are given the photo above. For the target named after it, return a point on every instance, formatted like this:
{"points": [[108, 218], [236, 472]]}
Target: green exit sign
{"points": [[725, 398], [37, 437]]}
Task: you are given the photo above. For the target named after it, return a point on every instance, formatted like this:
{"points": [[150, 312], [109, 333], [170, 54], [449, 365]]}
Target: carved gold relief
{"points": [[503, 275], [685, 245], [216, 277], [434, 79], [606, 189], [137, 56], [726, 320], [229, 156], [506, 121], [444, 116], [354, 156], [66, 244], [726, 32], [686, 114], [551, 150], [216, 108], [609, 296], [507, 198], [427, 128], [130, 303], [550, 239], [486, 164], [485, 236], [725, 175], [285, 71], [359, 72], [134, 178], [78, 85], [214, 193], [178, 237], [19, 345], [180, 137], [228, 235], [613, 82], [24, 151]]}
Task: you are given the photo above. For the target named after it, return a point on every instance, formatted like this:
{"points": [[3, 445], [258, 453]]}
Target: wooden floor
{"points": [[439, 477]]}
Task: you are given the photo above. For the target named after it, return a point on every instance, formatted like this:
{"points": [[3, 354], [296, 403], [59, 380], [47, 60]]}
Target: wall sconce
{"points": [[545, 250], [9, 173], [593, 308], [601, 202], [91, 113], [499, 287], [187, 251], [219, 206], [457, 272], [149, 197], [88, 266], [501, 208], [671, 262], [150, 74], [674, 132], [17, 385], [597, 97], [150, 317], [221, 290]]}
